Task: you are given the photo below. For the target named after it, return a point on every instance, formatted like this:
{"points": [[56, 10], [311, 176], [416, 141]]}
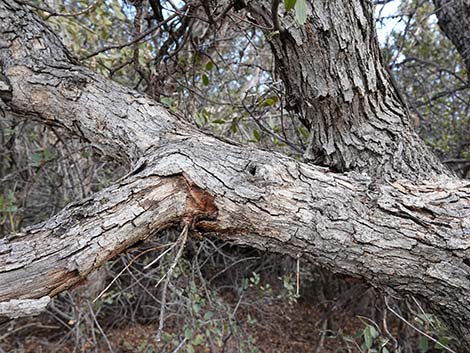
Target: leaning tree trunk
{"points": [[405, 237]]}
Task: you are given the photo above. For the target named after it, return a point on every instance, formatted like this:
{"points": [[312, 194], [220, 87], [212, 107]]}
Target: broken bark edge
{"points": [[16, 308]]}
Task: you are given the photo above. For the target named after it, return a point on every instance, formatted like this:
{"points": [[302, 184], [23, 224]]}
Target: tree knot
{"points": [[71, 88]]}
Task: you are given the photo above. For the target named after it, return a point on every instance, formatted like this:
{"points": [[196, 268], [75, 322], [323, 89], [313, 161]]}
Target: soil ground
{"points": [[279, 328]]}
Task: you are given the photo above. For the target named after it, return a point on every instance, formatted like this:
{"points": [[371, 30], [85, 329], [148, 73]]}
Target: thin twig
{"points": [[424, 313], [417, 329], [52, 12], [99, 328], [387, 332], [182, 240], [135, 40], [297, 276], [180, 345], [322, 337], [160, 256], [364, 319], [124, 269], [226, 268], [269, 132], [33, 324]]}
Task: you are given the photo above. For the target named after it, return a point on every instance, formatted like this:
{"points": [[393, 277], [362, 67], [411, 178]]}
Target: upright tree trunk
{"points": [[454, 20], [336, 80]]}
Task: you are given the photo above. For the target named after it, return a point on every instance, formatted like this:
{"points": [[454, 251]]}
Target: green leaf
{"points": [[385, 350], [289, 4], [10, 208], [303, 131], [189, 348], [41, 156], [367, 337], [107, 23], [36, 158], [198, 340], [423, 344], [257, 137], [443, 341], [196, 308], [188, 333], [47, 155], [167, 337], [272, 34], [167, 101], [373, 332], [234, 127], [301, 11], [270, 101], [218, 121], [208, 315], [205, 79], [209, 66], [117, 11]]}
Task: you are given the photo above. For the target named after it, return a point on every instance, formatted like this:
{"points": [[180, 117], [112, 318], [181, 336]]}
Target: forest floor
{"points": [[281, 328]]}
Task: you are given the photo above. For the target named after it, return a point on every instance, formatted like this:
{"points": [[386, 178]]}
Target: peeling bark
{"points": [[405, 237]]}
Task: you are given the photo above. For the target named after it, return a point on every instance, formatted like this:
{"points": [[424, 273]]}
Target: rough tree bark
{"points": [[454, 20], [335, 78], [410, 237]]}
